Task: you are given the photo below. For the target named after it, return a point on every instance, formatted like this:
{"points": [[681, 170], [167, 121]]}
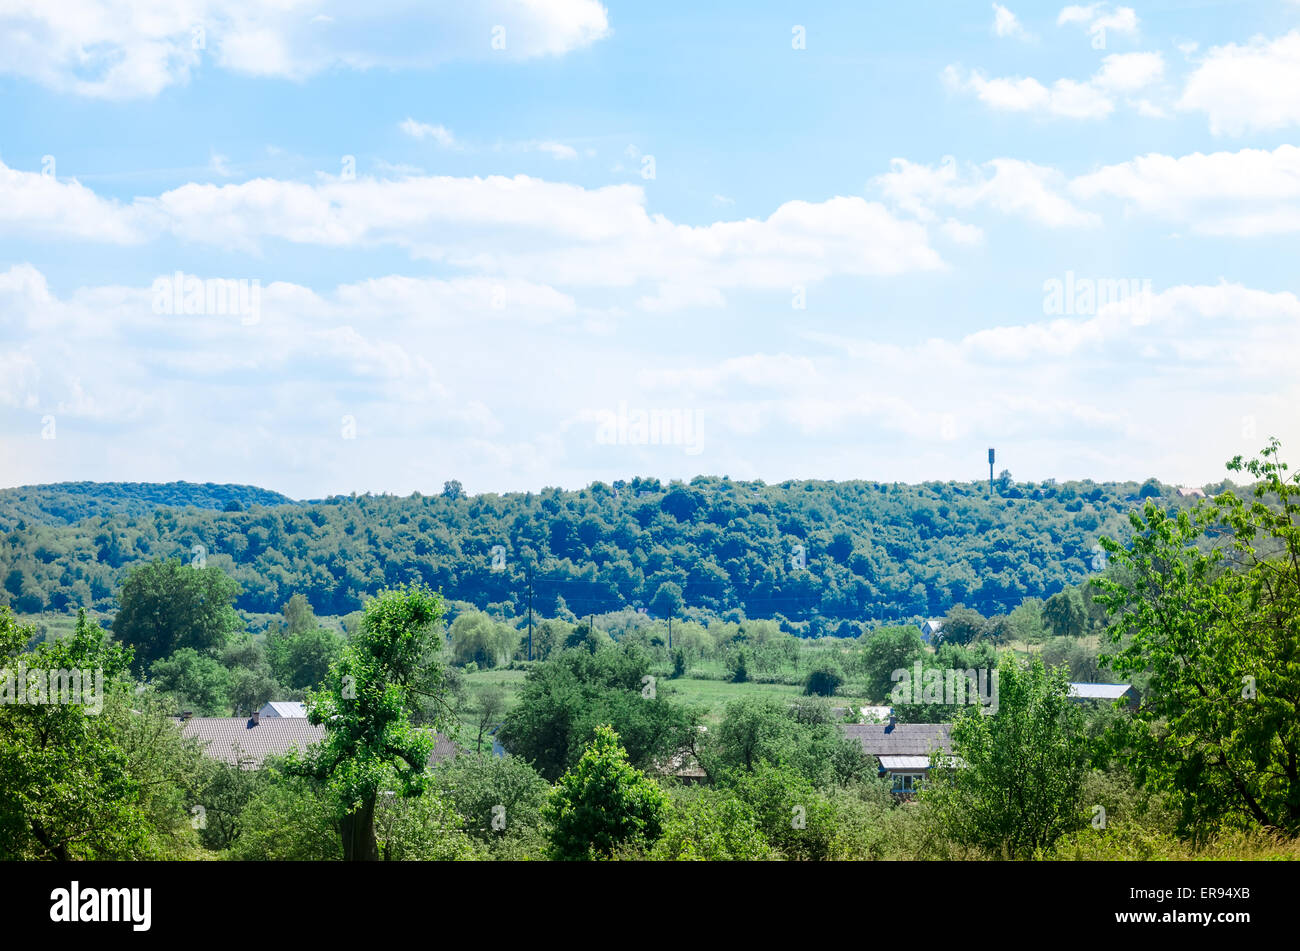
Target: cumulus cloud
{"points": [[1247, 193], [1251, 87], [123, 49], [1093, 98], [515, 226], [438, 134], [1006, 24], [1007, 186], [1097, 19]]}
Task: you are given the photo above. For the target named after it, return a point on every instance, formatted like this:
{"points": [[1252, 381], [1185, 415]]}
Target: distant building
{"points": [[903, 749], [1107, 693], [285, 708], [1191, 493], [249, 741], [930, 628]]}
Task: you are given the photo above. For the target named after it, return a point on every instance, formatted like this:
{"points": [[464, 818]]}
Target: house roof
{"points": [[1099, 691], [902, 739], [231, 739], [284, 708], [904, 762]]}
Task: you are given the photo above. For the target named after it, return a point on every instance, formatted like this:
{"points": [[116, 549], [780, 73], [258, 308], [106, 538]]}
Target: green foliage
{"points": [[794, 817], [197, 682], [67, 790], [708, 825], [603, 803], [961, 625], [1064, 613], [289, 819], [501, 799], [884, 651], [737, 663], [168, 606], [803, 737], [301, 651], [875, 552], [1210, 612], [224, 792], [565, 699], [824, 679], [365, 706], [1022, 783], [423, 828]]}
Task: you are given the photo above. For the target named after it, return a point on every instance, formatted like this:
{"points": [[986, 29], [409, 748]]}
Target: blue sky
{"points": [[488, 245]]}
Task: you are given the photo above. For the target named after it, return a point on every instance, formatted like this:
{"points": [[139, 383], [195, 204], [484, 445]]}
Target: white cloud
{"points": [[1251, 87], [520, 227], [1128, 72], [440, 134], [122, 49], [1066, 98], [1099, 18], [1008, 186], [1247, 193], [1005, 24], [557, 150]]}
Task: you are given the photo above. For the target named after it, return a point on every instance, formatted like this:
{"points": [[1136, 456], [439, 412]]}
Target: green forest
{"points": [[692, 735], [820, 557]]}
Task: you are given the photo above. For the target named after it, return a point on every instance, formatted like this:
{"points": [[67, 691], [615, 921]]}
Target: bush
{"points": [[824, 679]]}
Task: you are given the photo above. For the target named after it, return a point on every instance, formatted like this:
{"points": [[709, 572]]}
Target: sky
{"points": [[326, 247]]}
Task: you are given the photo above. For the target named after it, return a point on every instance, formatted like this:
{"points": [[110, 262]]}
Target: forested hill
{"points": [[68, 502], [815, 552]]}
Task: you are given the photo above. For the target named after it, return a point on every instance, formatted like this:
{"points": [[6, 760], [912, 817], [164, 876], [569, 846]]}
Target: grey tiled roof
{"points": [[903, 739], [231, 738]]}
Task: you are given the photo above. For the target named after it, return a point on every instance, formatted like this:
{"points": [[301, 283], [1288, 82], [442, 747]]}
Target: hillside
{"points": [[69, 502], [820, 553]]}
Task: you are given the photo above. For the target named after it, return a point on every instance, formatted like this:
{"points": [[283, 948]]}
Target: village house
{"points": [[903, 749], [930, 628], [284, 708], [248, 742], [1106, 693]]}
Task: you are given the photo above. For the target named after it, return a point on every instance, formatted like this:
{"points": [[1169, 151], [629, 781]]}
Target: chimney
{"points": [[256, 718], [185, 715], [893, 720]]}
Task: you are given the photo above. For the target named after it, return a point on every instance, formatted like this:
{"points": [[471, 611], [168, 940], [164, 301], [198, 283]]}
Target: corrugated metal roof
{"points": [[904, 762], [284, 708], [1099, 691]]}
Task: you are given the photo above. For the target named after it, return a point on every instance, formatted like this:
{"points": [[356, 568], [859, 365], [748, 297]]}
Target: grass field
{"points": [[714, 695]]}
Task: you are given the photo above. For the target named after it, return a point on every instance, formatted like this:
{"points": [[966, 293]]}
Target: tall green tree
{"points": [[389, 666], [884, 651], [168, 605], [603, 803], [1021, 784], [66, 786], [1208, 608]]}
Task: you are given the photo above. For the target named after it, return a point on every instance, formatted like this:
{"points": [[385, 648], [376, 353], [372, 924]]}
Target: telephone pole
{"points": [[530, 612], [990, 472]]}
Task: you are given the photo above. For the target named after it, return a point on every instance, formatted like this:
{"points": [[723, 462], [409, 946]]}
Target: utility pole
{"points": [[530, 612], [670, 633], [990, 472]]}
